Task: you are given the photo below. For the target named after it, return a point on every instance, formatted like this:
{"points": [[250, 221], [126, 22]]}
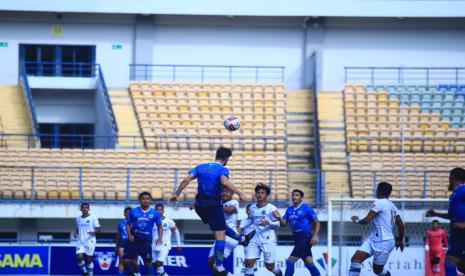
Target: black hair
{"points": [[261, 186], [144, 194], [298, 191], [85, 204], [223, 153], [159, 205], [384, 188], [127, 209], [457, 174], [435, 221]]}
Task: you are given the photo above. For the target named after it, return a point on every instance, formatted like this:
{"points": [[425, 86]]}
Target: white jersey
{"points": [[381, 227], [231, 219], [264, 234], [86, 225], [167, 225], [246, 230]]}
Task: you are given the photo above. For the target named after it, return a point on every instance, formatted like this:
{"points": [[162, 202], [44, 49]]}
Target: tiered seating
{"points": [[106, 174], [420, 167], [431, 119], [198, 110]]}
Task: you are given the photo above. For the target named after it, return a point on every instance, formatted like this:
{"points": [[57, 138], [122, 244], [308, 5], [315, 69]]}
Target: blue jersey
{"points": [[209, 181], [300, 218], [123, 233], [142, 222], [457, 212]]}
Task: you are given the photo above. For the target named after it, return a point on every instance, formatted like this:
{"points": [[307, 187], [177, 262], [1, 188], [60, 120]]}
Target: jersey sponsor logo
{"points": [[105, 259], [263, 212]]}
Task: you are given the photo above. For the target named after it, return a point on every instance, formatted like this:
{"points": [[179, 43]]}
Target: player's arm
{"points": [[432, 213], [271, 221], [244, 224], [228, 184], [282, 220], [117, 239], [96, 228], [366, 220], [176, 233], [427, 241], [230, 209], [75, 232], [188, 179], [317, 226], [159, 224], [128, 229], [401, 232]]}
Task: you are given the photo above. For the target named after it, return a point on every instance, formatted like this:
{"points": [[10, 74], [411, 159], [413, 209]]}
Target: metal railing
{"points": [[412, 75], [102, 88], [206, 73], [61, 69], [28, 96]]}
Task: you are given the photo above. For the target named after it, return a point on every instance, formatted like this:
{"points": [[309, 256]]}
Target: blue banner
{"points": [[190, 261], [24, 260]]}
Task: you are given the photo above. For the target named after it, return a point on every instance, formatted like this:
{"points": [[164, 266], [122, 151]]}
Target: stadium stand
{"points": [[56, 174], [193, 110]]}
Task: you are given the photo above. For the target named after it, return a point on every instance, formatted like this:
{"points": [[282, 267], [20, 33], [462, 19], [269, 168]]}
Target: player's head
{"points": [[222, 155], [435, 224], [160, 208], [297, 196], [85, 208], [383, 190], [126, 211], [262, 192], [145, 198], [247, 209], [227, 194], [456, 177]]}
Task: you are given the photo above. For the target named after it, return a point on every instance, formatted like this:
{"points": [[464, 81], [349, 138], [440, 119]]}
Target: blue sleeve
{"points": [[194, 172], [286, 214], [157, 218], [130, 217], [225, 172], [311, 215], [461, 192]]}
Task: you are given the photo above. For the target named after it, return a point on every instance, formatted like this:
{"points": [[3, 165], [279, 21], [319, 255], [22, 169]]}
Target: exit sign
{"points": [[3, 44], [117, 47]]}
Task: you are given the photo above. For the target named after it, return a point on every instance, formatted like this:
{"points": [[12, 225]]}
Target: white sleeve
{"points": [[236, 204], [377, 206], [96, 223], [245, 223], [177, 235], [271, 218]]}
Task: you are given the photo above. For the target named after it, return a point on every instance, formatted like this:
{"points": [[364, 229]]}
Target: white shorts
{"points": [[160, 255], [228, 247], [379, 250], [255, 249], [87, 248]]}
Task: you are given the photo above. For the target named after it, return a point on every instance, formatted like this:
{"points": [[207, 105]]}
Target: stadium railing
{"points": [[206, 73], [417, 144], [28, 96], [412, 75]]}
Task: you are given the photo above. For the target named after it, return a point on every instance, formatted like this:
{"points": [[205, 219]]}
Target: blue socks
{"points": [[355, 269], [289, 268], [451, 270], [312, 268], [219, 252], [233, 234]]}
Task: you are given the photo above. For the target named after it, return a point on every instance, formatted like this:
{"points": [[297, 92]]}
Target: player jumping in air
{"points": [[139, 226], [382, 217], [87, 227], [212, 177], [435, 237], [160, 252], [264, 241], [455, 257], [300, 217]]}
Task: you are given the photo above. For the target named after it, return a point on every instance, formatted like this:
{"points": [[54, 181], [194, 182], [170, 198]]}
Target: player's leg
{"points": [[129, 257], [363, 253], [307, 256], [451, 264], [269, 257], [252, 254], [80, 250], [435, 260], [381, 255], [120, 251], [461, 266], [159, 261], [145, 252], [90, 250]]}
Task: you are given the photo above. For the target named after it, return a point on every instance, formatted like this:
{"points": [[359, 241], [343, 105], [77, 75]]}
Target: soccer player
{"points": [[122, 240], [160, 252], [300, 217], [139, 226], [87, 227], [435, 237], [264, 241], [212, 177], [455, 257], [382, 217], [245, 230]]}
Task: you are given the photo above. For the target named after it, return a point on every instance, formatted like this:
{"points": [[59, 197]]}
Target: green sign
{"points": [[3, 44], [117, 47]]}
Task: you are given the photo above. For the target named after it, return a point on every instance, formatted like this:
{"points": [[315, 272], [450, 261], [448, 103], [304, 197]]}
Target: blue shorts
{"points": [[302, 248], [142, 248], [456, 247], [212, 214], [123, 243]]}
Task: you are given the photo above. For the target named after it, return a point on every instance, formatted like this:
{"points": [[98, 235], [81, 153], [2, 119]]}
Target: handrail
{"points": [[206, 73], [28, 96], [106, 97]]}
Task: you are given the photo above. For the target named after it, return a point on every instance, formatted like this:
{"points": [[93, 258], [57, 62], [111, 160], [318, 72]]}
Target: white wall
{"points": [[114, 62], [65, 106], [362, 46]]}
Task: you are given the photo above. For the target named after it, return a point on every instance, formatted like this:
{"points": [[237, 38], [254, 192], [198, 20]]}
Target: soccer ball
{"points": [[232, 123]]}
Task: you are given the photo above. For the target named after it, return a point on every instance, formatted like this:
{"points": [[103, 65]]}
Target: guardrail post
{"points": [[128, 183], [174, 72], [270, 181], [230, 73], [176, 178], [81, 193], [372, 76], [424, 184], [374, 184], [456, 76], [145, 73], [33, 194], [202, 74], [256, 73], [318, 187], [427, 78]]}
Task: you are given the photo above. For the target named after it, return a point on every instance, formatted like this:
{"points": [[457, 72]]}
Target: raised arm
{"points": [[188, 179], [401, 233], [228, 184], [432, 213], [366, 220], [282, 221]]}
